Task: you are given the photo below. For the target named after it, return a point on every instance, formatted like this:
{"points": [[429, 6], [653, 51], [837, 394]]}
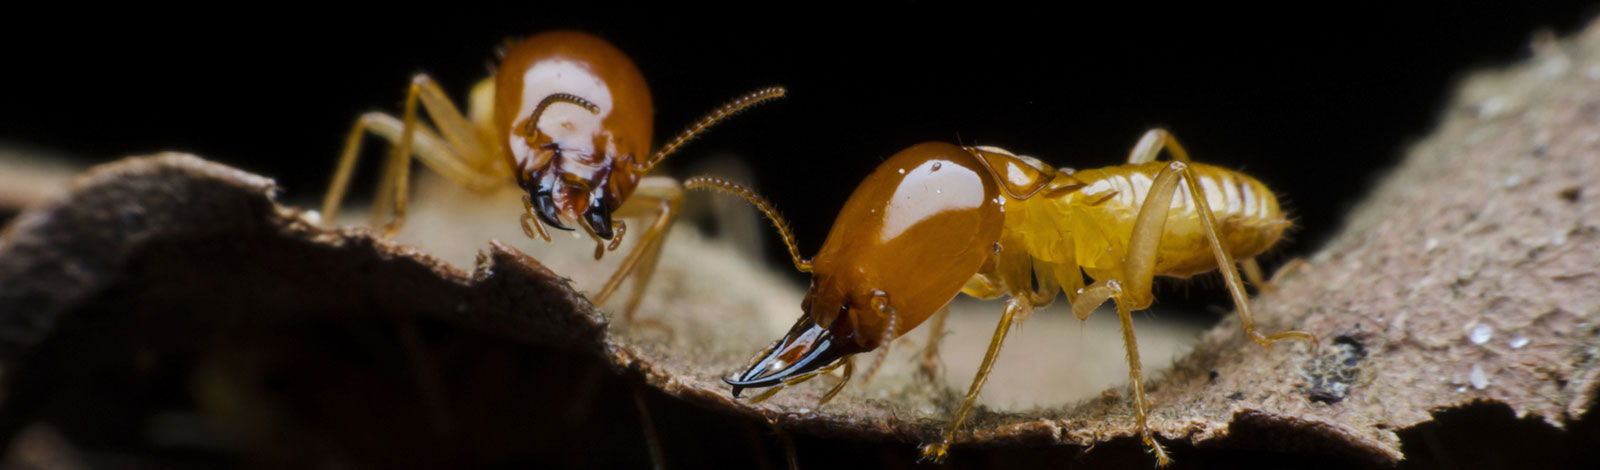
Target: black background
{"points": [[1315, 103]]}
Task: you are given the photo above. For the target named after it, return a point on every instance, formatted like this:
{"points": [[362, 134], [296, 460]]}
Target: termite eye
{"points": [[599, 220]]}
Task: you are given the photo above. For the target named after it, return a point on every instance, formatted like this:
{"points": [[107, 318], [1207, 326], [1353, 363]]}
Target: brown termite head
{"points": [[574, 116], [906, 241]]}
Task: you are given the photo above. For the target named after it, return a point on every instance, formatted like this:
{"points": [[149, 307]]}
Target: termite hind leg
{"points": [[1292, 267], [656, 197], [1252, 273], [936, 451], [1225, 264]]}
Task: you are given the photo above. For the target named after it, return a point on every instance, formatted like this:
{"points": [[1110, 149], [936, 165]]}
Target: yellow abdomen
{"points": [[1099, 217]]}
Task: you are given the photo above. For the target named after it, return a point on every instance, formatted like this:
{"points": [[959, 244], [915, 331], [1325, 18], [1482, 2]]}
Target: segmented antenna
{"points": [[709, 182], [731, 108]]}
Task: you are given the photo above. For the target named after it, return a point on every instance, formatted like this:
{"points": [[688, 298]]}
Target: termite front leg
{"points": [[929, 366], [459, 155], [657, 198], [936, 451]]}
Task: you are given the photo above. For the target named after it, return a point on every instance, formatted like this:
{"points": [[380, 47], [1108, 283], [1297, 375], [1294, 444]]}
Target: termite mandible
{"points": [[567, 117], [938, 219]]}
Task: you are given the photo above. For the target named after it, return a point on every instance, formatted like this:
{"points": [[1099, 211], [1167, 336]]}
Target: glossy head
{"points": [[905, 243], [573, 116]]}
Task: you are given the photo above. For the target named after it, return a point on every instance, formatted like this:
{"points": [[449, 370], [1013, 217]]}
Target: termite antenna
{"points": [[709, 182], [731, 108], [532, 127]]}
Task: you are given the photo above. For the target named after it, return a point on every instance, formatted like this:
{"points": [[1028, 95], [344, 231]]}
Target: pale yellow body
{"points": [[1120, 226], [1086, 219]]}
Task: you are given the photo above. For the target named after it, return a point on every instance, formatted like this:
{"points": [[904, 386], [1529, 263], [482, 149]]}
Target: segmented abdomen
{"points": [[1249, 220]]}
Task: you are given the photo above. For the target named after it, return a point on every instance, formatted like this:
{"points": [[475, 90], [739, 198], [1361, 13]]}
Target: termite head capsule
{"points": [[574, 117], [910, 236]]}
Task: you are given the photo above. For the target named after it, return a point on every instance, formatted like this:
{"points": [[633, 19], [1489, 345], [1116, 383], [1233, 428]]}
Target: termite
{"points": [[567, 118], [938, 219]]}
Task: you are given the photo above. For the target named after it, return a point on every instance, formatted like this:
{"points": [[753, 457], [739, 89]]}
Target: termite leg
{"points": [[929, 364], [849, 369], [656, 197], [1290, 268], [1151, 144], [1146, 150], [1225, 264], [1132, 290], [458, 154], [936, 451], [1252, 273], [1090, 298]]}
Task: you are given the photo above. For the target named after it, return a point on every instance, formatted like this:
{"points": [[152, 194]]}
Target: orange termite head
{"points": [[908, 239], [573, 116]]}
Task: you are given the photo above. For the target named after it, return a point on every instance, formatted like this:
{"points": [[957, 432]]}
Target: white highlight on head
{"points": [[921, 195], [561, 120]]}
